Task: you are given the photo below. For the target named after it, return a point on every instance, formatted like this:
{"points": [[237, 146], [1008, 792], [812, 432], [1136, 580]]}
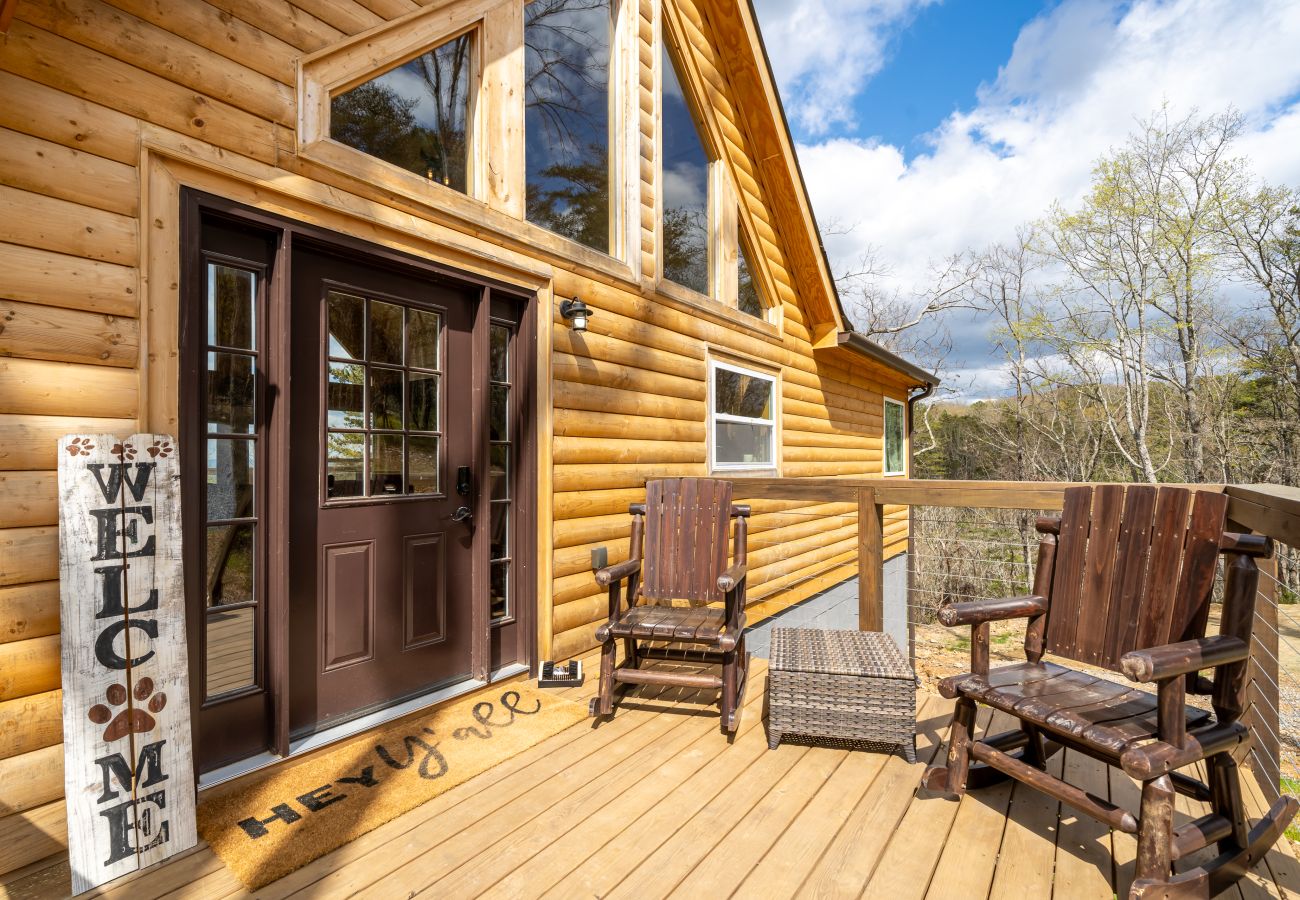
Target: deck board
{"points": [[657, 803]]}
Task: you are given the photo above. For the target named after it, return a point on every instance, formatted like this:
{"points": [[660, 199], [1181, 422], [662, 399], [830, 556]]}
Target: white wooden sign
{"points": [[128, 764]]}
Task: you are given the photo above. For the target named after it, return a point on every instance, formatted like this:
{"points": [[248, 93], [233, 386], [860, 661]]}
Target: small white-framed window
{"points": [[895, 438], [742, 417]]}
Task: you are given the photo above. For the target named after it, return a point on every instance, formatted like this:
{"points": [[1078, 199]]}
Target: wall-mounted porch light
{"points": [[576, 313]]}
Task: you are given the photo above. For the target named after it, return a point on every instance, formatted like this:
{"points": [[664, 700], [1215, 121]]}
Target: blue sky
{"points": [[934, 68], [927, 128]]}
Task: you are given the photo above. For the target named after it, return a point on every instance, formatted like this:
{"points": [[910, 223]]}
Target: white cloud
{"points": [[1078, 79], [825, 51]]}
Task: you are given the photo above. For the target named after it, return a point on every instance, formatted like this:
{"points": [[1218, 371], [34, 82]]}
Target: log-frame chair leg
{"points": [[1155, 828], [603, 703], [949, 780]]}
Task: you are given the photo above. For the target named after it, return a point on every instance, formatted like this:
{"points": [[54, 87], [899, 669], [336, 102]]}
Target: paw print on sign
{"points": [[80, 447], [160, 448], [126, 451], [134, 719]]}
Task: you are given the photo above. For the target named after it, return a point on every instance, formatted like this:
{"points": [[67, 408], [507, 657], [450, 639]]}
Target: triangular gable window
{"points": [[415, 116], [686, 242]]}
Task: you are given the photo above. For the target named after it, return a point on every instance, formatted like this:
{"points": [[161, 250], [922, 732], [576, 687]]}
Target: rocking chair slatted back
{"points": [[686, 526], [1134, 569]]}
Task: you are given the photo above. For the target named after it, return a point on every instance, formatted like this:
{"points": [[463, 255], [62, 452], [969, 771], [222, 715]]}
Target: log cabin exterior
{"points": [[182, 219]]}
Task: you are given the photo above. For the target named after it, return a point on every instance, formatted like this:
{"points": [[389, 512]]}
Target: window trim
{"points": [[713, 417], [884, 437]]}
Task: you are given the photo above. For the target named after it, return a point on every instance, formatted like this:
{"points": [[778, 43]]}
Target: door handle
{"points": [[462, 514]]}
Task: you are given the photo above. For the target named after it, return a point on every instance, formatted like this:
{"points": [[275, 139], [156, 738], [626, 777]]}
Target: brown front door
{"points": [[383, 485]]}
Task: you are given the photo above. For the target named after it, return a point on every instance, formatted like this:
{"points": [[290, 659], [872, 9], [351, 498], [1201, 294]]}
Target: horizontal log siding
{"points": [[83, 80]]}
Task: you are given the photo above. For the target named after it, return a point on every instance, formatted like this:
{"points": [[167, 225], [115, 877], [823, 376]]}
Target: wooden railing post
{"points": [[871, 562], [1262, 715]]}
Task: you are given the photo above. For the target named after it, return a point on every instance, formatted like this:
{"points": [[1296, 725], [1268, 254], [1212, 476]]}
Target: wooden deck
{"points": [[656, 803]]}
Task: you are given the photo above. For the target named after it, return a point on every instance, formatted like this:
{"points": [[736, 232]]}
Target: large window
{"points": [[895, 438], [742, 417], [415, 116], [382, 429], [685, 191], [567, 91]]}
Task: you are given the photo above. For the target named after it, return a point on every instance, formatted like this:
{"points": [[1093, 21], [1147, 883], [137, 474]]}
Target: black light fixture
{"points": [[576, 313]]}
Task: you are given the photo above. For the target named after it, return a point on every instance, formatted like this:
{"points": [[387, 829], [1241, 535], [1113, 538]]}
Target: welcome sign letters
{"points": [[128, 765]]}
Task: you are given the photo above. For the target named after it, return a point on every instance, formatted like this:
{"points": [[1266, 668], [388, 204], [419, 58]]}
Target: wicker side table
{"points": [[840, 685]]}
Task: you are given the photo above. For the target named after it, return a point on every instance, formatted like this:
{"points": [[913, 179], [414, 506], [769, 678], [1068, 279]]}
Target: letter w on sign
{"points": [[128, 765]]}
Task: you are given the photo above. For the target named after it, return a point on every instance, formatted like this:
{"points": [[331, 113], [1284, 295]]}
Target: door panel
{"points": [[424, 590], [381, 567], [348, 605]]}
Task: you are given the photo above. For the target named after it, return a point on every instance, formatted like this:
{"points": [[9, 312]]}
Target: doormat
{"points": [[301, 810]]}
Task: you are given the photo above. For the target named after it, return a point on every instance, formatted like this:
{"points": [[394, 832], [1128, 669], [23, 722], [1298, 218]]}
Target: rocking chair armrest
{"points": [[1172, 660], [977, 612], [617, 572], [732, 577]]}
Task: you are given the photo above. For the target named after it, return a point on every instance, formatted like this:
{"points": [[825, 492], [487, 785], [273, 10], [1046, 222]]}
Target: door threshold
{"points": [[353, 727]]}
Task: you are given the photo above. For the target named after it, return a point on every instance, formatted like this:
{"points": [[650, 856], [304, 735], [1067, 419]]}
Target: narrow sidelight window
{"points": [[895, 438], [500, 443], [685, 191], [567, 95], [415, 116], [230, 539], [743, 418]]}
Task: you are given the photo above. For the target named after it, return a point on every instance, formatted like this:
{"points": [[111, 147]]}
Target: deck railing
{"points": [[972, 539]]}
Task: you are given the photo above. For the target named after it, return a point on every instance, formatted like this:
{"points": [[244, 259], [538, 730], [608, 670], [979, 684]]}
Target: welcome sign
{"points": [[128, 765]]}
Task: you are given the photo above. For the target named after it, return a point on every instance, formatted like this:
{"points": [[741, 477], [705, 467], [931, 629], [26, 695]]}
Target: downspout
{"points": [[912, 399]]}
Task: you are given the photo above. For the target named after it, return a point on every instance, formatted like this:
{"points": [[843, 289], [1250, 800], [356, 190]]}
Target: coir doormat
{"points": [[300, 811]]}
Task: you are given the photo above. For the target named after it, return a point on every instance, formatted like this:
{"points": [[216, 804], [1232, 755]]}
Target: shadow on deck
{"points": [[656, 802]]}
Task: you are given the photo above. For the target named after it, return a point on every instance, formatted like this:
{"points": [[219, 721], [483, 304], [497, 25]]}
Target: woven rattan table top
{"points": [[832, 652]]}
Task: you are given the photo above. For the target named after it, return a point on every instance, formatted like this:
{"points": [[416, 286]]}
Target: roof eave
{"points": [[864, 346]]}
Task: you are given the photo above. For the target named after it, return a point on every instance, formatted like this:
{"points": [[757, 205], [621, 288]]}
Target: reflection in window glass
{"points": [[895, 438], [747, 299], [230, 653], [230, 565], [743, 418], [231, 296], [230, 478], [381, 399], [566, 119], [230, 393], [414, 116], [685, 188], [743, 394]]}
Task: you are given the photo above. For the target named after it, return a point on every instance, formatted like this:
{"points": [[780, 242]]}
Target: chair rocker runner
{"points": [[1123, 581], [678, 551]]}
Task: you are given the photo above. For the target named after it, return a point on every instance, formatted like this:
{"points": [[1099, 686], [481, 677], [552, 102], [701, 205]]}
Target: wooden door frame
{"points": [[195, 203]]}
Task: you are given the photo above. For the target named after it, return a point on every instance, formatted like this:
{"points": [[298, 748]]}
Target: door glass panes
{"points": [[499, 453], [232, 575], [685, 187], [567, 117], [747, 299], [382, 399], [415, 116]]}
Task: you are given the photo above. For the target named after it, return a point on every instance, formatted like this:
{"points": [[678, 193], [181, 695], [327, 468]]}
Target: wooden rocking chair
{"points": [[683, 526], [1123, 581]]}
